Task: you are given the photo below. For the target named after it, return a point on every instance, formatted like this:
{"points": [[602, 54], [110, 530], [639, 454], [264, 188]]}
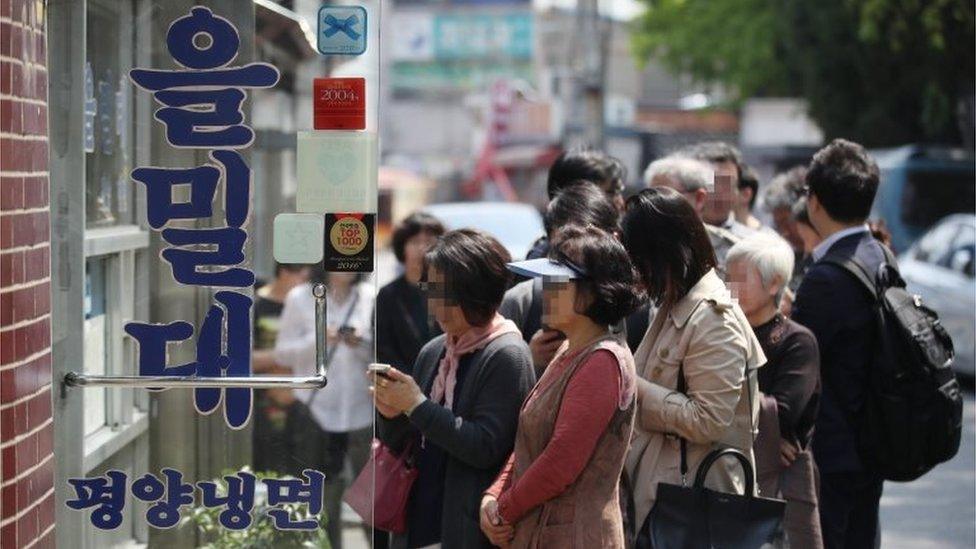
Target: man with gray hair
{"points": [[694, 179]]}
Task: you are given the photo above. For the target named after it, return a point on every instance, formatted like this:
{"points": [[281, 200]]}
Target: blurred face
{"points": [[559, 304], [445, 311], [414, 250], [696, 198], [786, 227], [747, 286], [719, 202]]}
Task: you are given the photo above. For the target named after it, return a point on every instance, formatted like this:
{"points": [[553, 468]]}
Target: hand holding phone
{"points": [[381, 370]]}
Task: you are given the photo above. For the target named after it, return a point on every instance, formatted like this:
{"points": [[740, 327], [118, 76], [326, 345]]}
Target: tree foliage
{"points": [[882, 72]]}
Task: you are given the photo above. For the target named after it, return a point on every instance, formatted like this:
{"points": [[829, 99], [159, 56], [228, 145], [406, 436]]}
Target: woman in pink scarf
{"points": [[458, 412]]}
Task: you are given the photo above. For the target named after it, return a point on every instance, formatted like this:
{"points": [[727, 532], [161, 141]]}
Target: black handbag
{"points": [[700, 518]]}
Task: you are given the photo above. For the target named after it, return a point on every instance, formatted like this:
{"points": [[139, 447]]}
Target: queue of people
{"points": [[543, 402]]}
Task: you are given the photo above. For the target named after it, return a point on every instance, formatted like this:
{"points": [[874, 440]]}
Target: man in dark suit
{"points": [[841, 184]]}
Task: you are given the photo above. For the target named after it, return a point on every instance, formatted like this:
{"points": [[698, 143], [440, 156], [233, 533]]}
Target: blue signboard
{"points": [[342, 30]]}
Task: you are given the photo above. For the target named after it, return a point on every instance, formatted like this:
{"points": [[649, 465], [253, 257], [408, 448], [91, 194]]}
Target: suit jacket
{"points": [[841, 314], [478, 435]]}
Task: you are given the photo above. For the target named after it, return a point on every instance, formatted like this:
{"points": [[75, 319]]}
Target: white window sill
{"points": [[104, 442]]}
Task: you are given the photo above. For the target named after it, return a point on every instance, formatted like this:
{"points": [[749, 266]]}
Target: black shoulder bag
{"points": [[700, 518]]}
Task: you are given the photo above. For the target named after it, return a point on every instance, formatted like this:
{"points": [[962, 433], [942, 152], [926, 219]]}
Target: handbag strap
{"points": [[710, 460]]}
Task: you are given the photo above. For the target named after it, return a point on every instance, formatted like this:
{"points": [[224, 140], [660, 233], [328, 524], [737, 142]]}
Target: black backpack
{"points": [[912, 415]]}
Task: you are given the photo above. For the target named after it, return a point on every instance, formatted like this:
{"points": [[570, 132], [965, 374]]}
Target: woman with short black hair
{"points": [[402, 323], [458, 410], [696, 363], [559, 488]]}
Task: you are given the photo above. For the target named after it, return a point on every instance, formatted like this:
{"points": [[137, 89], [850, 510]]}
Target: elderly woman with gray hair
{"points": [[759, 269]]}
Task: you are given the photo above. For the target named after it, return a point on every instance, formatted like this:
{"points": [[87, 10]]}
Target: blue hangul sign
{"points": [[202, 108], [342, 30]]}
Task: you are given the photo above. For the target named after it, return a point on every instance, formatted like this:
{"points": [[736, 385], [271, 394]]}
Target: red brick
{"points": [[6, 309], [9, 498], [22, 344], [38, 150], [6, 270], [46, 511], [5, 76], [8, 536], [17, 79], [26, 453], [8, 390], [42, 306], [35, 192], [16, 38], [9, 460], [5, 108], [4, 8], [6, 347], [23, 304], [17, 267], [5, 43], [40, 85], [7, 431], [38, 410], [15, 157], [27, 525], [6, 231], [45, 437], [36, 263], [11, 192]]}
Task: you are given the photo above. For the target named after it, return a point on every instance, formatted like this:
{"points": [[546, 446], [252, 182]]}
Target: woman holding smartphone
{"points": [[458, 409]]}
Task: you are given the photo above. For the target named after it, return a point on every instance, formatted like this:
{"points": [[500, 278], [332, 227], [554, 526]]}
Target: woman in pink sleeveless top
{"points": [[559, 487]]}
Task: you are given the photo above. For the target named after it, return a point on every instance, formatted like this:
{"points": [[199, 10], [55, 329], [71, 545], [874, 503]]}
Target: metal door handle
{"points": [[319, 380]]}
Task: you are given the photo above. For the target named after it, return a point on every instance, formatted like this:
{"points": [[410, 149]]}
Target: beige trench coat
{"points": [[707, 332]]}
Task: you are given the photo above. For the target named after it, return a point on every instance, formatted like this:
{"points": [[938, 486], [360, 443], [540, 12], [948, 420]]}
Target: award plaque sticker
{"points": [[349, 242]]}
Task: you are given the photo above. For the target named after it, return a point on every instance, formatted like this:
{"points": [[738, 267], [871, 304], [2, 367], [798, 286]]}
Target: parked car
{"points": [[515, 225], [921, 184], [940, 268]]}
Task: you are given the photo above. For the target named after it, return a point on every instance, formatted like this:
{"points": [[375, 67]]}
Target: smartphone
{"points": [[346, 330], [381, 370]]}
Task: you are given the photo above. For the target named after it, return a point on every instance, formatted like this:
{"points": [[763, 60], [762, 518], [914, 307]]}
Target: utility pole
{"points": [[589, 62]]}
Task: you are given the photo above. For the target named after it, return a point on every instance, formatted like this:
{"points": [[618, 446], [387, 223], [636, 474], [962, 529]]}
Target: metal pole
{"points": [[319, 380]]}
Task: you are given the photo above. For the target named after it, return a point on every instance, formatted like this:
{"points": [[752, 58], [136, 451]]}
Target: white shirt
{"points": [[345, 403], [822, 248]]}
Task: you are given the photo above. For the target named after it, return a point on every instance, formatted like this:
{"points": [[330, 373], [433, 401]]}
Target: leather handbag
{"points": [[700, 518], [380, 493], [696, 517]]}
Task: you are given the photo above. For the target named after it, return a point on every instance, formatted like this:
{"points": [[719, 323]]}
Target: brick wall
{"points": [[26, 440]]}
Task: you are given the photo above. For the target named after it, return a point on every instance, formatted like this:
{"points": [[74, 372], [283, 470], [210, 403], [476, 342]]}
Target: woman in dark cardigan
{"points": [[458, 410], [759, 269]]}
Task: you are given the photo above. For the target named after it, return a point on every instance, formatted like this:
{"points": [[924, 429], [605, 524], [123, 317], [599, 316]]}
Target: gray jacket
{"points": [[478, 435]]}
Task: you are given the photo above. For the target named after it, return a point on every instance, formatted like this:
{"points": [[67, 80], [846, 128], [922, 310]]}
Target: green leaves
{"points": [[882, 72]]}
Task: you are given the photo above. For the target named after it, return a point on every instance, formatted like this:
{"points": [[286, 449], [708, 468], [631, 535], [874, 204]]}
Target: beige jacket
{"points": [[707, 332]]}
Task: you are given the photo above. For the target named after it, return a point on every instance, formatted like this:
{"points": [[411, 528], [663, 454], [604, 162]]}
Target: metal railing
{"points": [[319, 380]]}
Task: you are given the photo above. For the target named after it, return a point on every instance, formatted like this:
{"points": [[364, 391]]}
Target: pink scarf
{"points": [[458, 346]]}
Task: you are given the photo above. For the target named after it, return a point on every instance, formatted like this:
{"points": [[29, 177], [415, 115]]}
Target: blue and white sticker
{"points": [[342, 30]]}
